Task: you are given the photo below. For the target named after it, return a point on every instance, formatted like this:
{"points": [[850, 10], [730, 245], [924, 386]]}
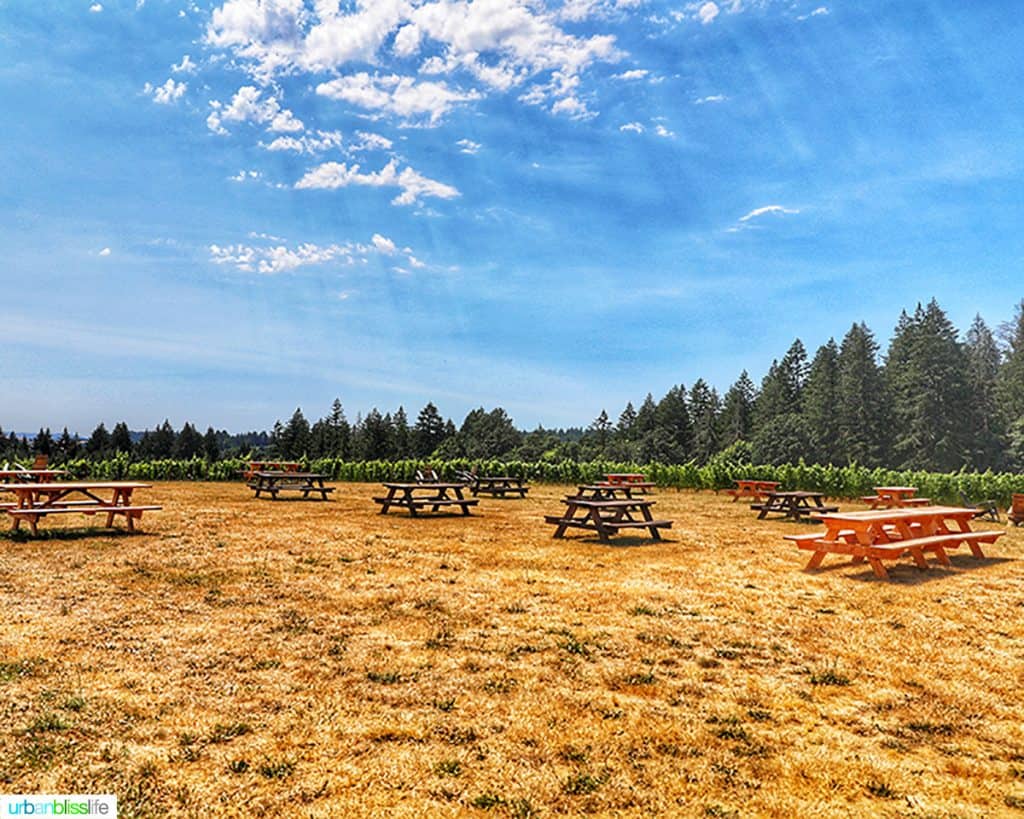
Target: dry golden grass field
{"points": [[248, 657]]}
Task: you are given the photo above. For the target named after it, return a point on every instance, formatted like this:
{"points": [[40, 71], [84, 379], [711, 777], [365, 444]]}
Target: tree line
{"points": [[932, 401]]}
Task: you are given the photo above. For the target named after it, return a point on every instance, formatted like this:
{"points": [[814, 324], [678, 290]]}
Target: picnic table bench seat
{"points": [[308, 483], [607, 516], [36, 501], [432, 496]]}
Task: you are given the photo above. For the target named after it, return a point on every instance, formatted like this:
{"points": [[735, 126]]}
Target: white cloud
{"points": [[636, 127], [413, 185], [371, 142], [246, 176], [248, 105], [280, 258], [818, 12], [710, 99], [167, 93], [186, 66], [707, 13], [96, 8], [383, 244], [662, 131], [775, 209], [306, 144], [412, 101], [105, 252], [635, 74], [499, 43], [468, 146]]}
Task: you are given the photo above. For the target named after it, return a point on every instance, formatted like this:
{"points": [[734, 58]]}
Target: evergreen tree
{"points": [[98, 444], [736, 420], [1010, 385], [983, 359], [337, 433], [782, 388], [672, 439], [189, 443], [705, 407], [784, 439], [428, 432], [211, 446], [66, 446], [646, 419], [373, 437], [162, 441], [43, 444], [401, 435], [821, 407], [601, 429], [626, 421], [295, 437], [931, 407], [862, 413], [488, 434], [120, 438]]}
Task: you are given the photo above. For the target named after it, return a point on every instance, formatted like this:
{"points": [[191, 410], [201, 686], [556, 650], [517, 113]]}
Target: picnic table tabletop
{"points": [[751, 488], [888, 496], [888, 533], [604, 490], [273, 482]]}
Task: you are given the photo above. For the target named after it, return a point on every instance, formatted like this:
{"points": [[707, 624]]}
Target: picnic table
{"points": [[604, 491], [634, 480], [887, 534], [269, 466], [272, 482], [34, 501], [794, 505], [497, 486], [607, 516], [888, 497], [29, 475], [416, 497], [753, 489]]}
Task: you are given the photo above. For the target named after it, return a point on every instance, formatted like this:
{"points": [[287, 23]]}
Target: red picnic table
{"points": [[889, 497], [634, 480], [755, 490]]}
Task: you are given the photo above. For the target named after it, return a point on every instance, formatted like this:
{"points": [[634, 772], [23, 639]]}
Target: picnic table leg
{"points": [[460, 496], [941, 556], [815, 560], [387, 501], [878, 568], [646, 512], [918, 556], [602, 533]]}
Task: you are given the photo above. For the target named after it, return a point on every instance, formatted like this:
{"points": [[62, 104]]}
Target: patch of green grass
{"points": [[226, 733], [446, 705], [47, 722], [487, 801], [581, 784], [830, 675], [500, 685], [643, 610], [238, 766], [1016, 802], [16, 669], [385, 677], [448, 767], [276, 769], [939, 729], [641, 678], [881, 790]]}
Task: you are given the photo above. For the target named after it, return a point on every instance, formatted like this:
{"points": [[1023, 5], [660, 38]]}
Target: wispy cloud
{"points": [[768, 209], [280, 258], [468, 146], [634, 74], [713, 98], [105, 252], [307, 144], [818, 12], [186, 66], [635, 127], [96, 8], [414, 102], [249, 105]]}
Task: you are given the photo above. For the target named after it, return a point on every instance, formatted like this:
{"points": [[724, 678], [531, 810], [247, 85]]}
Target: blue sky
{"points": [[219, 212]]}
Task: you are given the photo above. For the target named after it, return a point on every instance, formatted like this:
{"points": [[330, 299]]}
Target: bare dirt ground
{"points": [[289, 658]]}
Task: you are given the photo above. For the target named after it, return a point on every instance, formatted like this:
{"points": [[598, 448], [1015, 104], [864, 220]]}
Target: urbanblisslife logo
{"points": [[63, 804]]}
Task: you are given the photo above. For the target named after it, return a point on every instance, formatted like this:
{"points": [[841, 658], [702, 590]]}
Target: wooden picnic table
{"points": [[29, 475], [751, 489], [890, 533], [417, 497], [34, 501], [794, 505], [272, 482], [634, 480], [889, 497], [497, 486], [270, 466], [604, 491], [607, 516]]}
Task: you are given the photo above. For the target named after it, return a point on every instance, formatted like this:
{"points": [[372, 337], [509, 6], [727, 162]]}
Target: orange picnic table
{"points": [[890, 533], [634, 480], [752, 489], [269, 466], [25, 475], [34, 501], [889, 497]]}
